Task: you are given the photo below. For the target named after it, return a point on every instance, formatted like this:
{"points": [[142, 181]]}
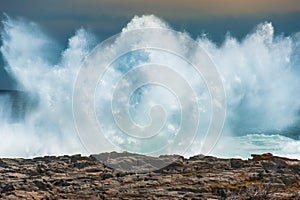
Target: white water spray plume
{"points": [[260, 74]]}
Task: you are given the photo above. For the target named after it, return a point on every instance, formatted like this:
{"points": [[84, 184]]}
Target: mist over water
{"points": [[261, 76]]}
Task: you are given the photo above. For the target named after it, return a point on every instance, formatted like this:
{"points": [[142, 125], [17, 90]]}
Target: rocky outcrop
{"points": [[137, 163], [199, 177]]}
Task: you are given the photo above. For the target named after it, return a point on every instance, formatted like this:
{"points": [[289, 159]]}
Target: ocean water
{"points": [[260, 75]]}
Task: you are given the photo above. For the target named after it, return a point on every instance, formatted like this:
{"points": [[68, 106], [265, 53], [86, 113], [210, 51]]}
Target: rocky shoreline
{"points": [[130, 176]]}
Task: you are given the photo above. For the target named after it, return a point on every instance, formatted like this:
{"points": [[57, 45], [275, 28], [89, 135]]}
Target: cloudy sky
{"points": [[60, 18]]}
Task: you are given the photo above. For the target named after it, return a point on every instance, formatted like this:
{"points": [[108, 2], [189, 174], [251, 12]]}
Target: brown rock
{"points": [[200, 177]]}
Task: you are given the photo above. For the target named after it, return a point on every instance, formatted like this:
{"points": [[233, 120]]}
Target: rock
{"points": [[106, 176], [197, 157], [236, 163], [269, 156], [76, 158], [2, 164], [200, 177], [6, 188], [265, 156], [134, 162], [289, 180], [61, 183], [41, 185]]}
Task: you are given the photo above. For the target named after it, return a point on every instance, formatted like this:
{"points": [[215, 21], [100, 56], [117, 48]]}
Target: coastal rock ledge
{"points": [[199, 177]]}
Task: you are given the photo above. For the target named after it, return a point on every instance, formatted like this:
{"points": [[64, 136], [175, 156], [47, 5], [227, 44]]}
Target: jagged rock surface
{"points": [[78, 177]]}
